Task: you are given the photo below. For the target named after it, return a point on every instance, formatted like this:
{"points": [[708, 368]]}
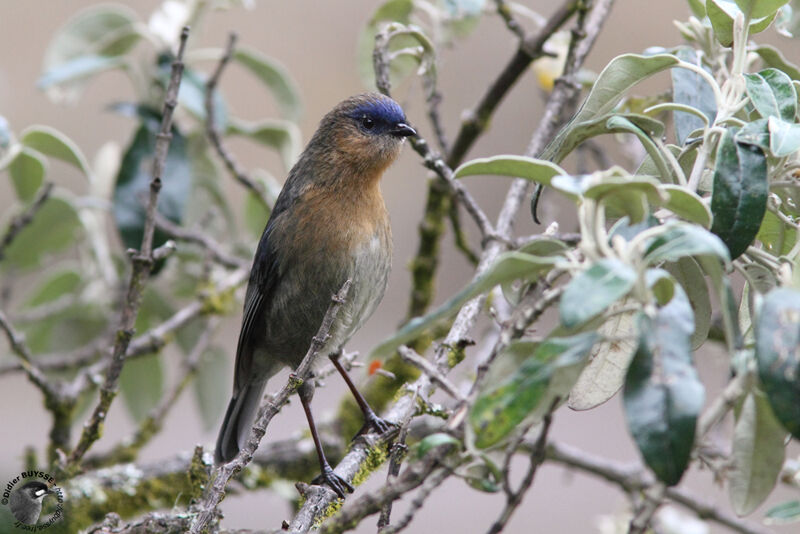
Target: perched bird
{"points": [[329, 224], [26, 502]]}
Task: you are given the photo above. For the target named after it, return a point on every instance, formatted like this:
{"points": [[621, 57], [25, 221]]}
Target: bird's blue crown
{"points": [[383, 110]]}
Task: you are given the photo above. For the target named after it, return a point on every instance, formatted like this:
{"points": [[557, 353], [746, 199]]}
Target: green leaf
{"points": [[690, 276], [594, 290], [389, 11], [675, 240], [784, 137], [663, 394], [27, 171], [623, 194], [687, 205], [275, 77], [758, 454], [773, 57], [754, 133], [79, 47], [722, 12], [777, 340], [54, 228], [529, 390], [282, 135], [739, 198], [698, 7], [784, 513], [608, 363], [509, 266], [133, 185], [691, 89], [644, 127], [434, 441], [778, 238], [211, 392], [72, 73], [661, 284], [54, 287], [622, 73], [53, 143], [536, 170], [772, 94], [755, 9], [141, 384]]}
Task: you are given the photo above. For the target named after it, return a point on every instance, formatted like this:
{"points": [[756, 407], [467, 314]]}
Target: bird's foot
{"points": [[374, 423], [334, 481]]}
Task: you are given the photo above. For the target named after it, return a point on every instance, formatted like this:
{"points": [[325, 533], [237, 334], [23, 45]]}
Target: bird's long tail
{"points": [[238, 421]]}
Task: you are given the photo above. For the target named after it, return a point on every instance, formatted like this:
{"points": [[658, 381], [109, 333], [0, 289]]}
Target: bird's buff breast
{"points": [[352, 242]]}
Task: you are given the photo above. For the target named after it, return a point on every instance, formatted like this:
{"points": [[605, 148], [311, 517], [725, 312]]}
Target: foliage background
{"points": [[316, 41]]}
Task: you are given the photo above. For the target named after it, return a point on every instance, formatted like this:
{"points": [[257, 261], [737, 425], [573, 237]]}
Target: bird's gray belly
{"points": [[304, 294]]}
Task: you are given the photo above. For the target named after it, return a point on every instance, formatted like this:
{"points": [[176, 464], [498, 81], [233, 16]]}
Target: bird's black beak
{"points": [[402, 129]]}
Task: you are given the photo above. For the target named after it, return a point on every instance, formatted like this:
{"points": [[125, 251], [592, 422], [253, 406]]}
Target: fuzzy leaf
{"points": [[739, 198], [778, 354]]}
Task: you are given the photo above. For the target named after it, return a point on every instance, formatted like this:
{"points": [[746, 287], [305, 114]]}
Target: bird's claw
{"points": [[334, 481], [374, 423]]}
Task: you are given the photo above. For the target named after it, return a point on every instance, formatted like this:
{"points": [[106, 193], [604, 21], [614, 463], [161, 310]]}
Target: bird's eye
{"points": [[367, 123]]}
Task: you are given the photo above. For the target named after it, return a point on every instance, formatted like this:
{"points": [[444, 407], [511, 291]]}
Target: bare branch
{"points": [[537, 456], [22, 220], [152, 424], [428, 368], [632, 479], [213, 133], [18, 347], [142, 265], [529, 50], [204, 240]]}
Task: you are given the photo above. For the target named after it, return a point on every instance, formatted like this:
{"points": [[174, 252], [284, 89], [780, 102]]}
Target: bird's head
{"points": [[35, 490], [367, 129]]}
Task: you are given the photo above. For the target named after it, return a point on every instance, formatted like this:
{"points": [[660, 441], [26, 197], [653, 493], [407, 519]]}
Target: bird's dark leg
{"points": [[371, 419], [327, 476]]}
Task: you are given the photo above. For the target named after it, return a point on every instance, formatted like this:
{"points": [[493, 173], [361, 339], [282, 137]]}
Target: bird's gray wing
{"points": [[263, 279]]}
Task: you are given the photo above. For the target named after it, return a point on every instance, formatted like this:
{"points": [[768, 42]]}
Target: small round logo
{"points": [[25, 496]]}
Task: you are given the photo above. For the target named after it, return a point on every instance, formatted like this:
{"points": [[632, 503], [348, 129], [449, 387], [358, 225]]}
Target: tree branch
{"points": [[19, 222], [632, 479], [142, 265], [213, 133]]}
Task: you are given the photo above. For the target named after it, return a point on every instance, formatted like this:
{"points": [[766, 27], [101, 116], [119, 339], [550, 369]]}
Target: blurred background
{"points": [[317, 43]]}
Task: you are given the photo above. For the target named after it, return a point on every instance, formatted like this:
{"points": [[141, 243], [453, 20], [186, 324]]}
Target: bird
{"points": [[329, 224], [26, 502]]}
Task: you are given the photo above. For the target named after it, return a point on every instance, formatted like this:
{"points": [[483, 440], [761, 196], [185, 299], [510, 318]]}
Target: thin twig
{"points": [[433, 481], [20, 348], [142, 265], [397, 453], [206, 241], [537, 456], [24, 219], [152, 424], [529, 50], [411, 356], [504, 11], [633, 479], [213, 133], [206, 510]]}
